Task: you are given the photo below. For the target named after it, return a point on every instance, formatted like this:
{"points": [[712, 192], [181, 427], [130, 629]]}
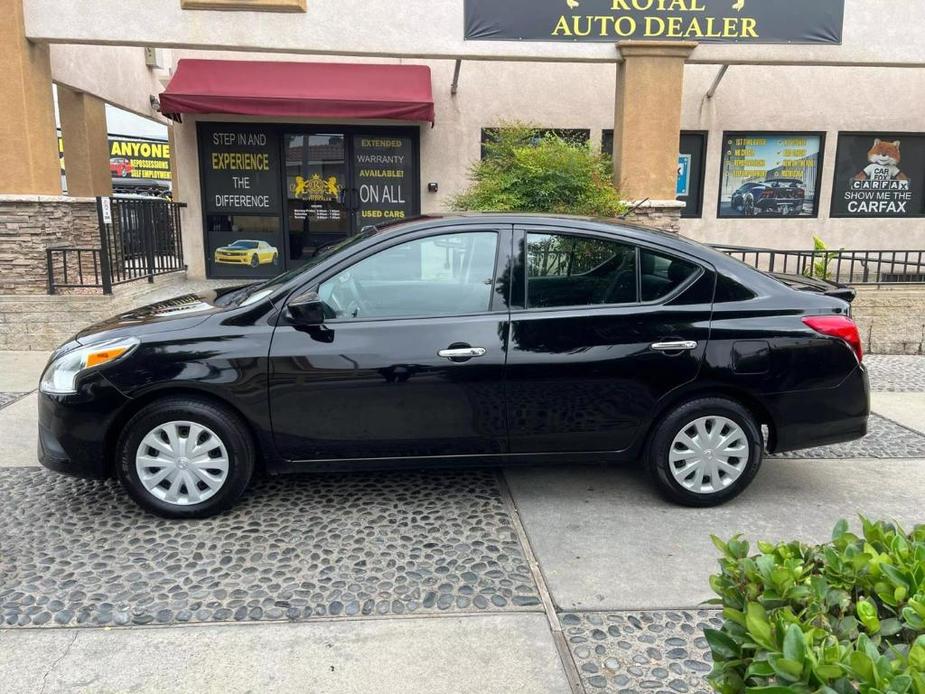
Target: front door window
{"points": [[436, 276], [317, 193]]}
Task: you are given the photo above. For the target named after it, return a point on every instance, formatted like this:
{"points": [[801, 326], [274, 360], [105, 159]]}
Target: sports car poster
{"points": [[770, 174]]}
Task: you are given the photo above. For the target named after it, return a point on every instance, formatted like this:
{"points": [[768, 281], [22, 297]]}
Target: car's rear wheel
{"points": [[705, 452], [185, 458]]}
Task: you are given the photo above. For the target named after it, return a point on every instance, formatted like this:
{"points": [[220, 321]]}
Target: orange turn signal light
{"points": [[105, 355]]}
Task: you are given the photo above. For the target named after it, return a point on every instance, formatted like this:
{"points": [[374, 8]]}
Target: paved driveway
{"points": [[524, 580]]}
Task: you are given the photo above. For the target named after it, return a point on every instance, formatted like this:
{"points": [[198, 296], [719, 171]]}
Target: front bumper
{"points": [[806, 419], [76, 431], [233, 259]]}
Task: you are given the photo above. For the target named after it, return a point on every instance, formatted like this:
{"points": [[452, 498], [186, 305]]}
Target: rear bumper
{"points": [[806, 419], [73, 428]]}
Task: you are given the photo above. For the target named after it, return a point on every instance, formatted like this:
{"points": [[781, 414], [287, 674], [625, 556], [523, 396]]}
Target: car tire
{"points": [[276, 258], [255, 261], [223, 440], [673, 462]]}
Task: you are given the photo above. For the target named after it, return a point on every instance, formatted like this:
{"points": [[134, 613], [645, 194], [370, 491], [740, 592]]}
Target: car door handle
{"points": [[462, 352], [678, 346]]}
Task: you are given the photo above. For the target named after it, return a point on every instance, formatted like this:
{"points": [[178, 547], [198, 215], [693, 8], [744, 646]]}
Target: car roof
{"points": [[664, 240], [633, 231]]}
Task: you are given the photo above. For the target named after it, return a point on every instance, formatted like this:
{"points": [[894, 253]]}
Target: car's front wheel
{"points": [[705, 452], [185, 458]]}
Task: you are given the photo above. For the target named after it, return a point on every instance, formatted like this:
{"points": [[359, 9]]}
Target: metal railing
{"points": [[73, 266], [841, 266], [138, 239]]}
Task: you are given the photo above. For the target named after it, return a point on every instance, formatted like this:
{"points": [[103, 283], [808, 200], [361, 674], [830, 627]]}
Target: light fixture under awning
{"points": [[300, 90]]}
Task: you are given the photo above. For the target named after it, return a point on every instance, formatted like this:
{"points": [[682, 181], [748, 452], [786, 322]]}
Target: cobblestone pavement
{"points": [[80, 552], [896, 373], [9, 398], [885, 439], [624, 652]]}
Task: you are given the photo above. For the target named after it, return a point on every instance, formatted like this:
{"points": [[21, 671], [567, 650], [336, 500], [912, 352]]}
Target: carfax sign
{"points": [[717, 21]]}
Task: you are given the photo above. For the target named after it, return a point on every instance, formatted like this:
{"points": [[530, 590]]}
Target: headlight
{"points": [[60, 377]]}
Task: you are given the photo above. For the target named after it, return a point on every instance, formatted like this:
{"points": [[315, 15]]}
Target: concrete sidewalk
{"points": [[477, 654], [20, 371]]}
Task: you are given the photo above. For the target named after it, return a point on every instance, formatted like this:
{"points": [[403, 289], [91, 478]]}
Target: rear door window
{"points": [[566, 270], [661, 275]]}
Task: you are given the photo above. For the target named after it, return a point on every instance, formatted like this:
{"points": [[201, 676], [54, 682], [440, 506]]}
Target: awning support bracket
{"points": [[455, 86], [719, 78]]}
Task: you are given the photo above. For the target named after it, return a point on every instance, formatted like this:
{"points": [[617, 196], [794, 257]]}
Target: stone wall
{"points": [[891, 319], [42, 322], [657, 214], [31, 223]]}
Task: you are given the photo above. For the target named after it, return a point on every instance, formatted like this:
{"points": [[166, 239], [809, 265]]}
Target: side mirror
{"points": [[306, 309]]}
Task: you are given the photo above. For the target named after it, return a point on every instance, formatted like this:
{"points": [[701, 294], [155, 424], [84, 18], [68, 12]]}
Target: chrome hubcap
{"points": [[182, 463], [708, 455]]}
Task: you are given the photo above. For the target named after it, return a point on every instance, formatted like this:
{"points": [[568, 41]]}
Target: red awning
{"points": [[303, 90]]}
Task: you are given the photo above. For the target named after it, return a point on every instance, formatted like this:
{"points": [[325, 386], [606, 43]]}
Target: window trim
{"points": [[500, 238], [525, 231]]}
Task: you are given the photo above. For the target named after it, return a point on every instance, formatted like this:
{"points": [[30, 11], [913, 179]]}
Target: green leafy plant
{"points": [[525, 170], [820, 266], [844, 617]]}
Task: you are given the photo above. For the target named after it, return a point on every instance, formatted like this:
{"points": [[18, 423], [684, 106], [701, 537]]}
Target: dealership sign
{"points": [[717, 21]]}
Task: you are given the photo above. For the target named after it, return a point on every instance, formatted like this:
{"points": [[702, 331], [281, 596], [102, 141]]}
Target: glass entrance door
{"points": [[317, 191]]}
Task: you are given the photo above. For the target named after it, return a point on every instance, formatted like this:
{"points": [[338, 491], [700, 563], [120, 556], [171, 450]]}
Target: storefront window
{"points": [[329, 183], [770, 174], [576, 135], [316, 191], [691, 152], [879, 174], [240, 170]]}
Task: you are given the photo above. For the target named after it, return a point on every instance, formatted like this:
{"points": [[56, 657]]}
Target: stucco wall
{"points": [[826, 99], [115, 74], [882, 31]]}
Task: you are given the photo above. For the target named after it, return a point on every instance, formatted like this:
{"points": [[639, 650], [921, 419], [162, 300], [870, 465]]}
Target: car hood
{"points": [[171, 314]]}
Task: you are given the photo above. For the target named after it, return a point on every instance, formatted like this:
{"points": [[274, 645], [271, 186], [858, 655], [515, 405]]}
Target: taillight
{"points": [[841, 327]]}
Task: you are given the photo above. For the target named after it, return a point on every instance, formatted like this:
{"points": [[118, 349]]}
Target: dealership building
{"points": [[294, 124]]}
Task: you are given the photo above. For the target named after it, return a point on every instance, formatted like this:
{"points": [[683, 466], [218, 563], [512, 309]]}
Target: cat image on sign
{"points": [[884, 158]]}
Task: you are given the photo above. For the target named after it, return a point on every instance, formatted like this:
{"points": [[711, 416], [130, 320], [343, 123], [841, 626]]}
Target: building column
{"points": [[174, 164], [28, 146], [86, 143], [647, 122]]}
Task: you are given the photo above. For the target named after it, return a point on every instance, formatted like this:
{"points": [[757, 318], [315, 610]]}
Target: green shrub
{"points": [[526, 171], [846, 616]]}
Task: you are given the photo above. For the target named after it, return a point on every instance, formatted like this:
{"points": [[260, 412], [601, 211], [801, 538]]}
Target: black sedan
{"points": [[461, 340]]}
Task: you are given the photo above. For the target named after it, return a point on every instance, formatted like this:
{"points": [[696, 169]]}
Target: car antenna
{"points": [[634, 208]]}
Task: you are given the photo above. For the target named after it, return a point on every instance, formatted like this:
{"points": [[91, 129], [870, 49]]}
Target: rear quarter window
{"points": [[661, 274]]}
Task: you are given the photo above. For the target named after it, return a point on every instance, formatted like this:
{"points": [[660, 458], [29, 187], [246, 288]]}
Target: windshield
{"points": [[243, 244], [321, 254]]}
